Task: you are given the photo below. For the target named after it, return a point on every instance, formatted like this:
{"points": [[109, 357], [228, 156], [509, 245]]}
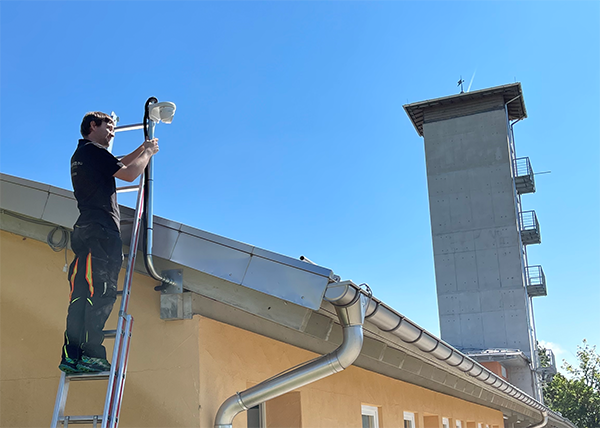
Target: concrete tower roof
{"points": [[516, 107]]}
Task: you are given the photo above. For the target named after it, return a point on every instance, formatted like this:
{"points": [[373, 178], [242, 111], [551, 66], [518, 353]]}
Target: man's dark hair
{"points": [[95, 116]]}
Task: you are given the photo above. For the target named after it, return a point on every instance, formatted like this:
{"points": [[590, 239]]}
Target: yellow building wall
{"points": [[234, 359], [162, 380], [179, 371]]}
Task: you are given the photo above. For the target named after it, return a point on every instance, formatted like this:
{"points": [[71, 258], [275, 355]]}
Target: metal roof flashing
{"points": [[244, 265], [511, 93]]}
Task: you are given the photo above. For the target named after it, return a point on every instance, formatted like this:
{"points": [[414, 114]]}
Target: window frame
{"points": [[410, 416], [262, 414], [373, 411]]}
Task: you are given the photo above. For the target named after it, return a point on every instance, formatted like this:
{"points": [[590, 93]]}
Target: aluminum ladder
{"points": [[122, 336]]}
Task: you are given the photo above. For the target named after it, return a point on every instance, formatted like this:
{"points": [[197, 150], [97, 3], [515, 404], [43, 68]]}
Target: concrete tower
{"points": [[480, 232]]}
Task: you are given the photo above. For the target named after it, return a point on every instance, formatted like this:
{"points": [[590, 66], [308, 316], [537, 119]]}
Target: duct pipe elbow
{"points": [[341, 293], [351, 320], [344, 356], [544, 420], [354, 314], [325, 366], [228, 410]]}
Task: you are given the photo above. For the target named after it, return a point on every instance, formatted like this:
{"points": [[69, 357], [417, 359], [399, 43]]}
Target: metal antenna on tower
{"points": [[460, 83], [471, 82]]}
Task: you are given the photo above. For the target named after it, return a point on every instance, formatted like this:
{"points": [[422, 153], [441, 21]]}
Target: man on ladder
{"points": [[96, 240]]}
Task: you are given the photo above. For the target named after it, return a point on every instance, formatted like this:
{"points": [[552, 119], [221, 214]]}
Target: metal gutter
{"points": [[388, 320], [350, 303], [543, 423]]}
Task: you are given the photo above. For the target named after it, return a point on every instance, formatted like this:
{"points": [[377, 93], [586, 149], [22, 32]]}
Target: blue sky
{"points": [[290, 133]]}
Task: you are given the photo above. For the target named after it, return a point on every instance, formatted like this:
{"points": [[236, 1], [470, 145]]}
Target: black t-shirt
{"points": [[92, 170]]}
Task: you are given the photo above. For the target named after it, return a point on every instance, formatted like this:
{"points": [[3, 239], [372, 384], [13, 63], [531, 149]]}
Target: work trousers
{"points": [[93, 276]]}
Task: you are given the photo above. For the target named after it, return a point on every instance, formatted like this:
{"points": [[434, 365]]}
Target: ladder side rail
{"points": [[61, 400], [112, 380], [121, 375], [133, 245], [116, 363]]}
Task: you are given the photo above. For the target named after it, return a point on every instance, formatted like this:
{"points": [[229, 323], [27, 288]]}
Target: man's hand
{"points": [[151, 145], [135, 162]]}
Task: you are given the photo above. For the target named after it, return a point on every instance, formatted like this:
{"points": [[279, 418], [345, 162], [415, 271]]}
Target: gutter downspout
{"points": [[543, 423], [350, 304]]}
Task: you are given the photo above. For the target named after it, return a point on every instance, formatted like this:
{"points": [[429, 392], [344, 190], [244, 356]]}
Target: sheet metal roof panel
{"points": [[60, 210], [207, 236], [289, 261], [210, 257], [25, 182], [37, 200], [163, 222], [168, 238], [24, 200], [61, 192], [293, 285]]}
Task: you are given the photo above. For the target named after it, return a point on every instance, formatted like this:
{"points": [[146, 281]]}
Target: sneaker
{"points": [[92, 365], [68, 365]]}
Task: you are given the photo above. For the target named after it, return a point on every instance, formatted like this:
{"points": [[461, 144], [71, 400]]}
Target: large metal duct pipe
{"points": [[350, 304]]}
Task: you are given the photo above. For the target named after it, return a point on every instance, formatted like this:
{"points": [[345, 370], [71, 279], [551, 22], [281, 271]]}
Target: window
{"points": [[370, 417], [256, 416], [445, 423], [479, 425], [458, 424], [409, 420]]}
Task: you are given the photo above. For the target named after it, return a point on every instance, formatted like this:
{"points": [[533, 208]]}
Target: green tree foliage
{"points": [[577, 395]]}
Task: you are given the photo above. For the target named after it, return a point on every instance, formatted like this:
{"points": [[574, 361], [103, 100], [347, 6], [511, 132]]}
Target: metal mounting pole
{"points": [[149, 204]]}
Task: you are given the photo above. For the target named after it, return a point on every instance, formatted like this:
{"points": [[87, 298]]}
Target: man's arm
{"points": [[131, 171], [127, 159]]}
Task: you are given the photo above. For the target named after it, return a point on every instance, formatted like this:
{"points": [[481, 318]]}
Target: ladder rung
{"points": [[81, 419], [127, 189], [129, 127], [109, 334], [88, 376], [119, 292]]}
